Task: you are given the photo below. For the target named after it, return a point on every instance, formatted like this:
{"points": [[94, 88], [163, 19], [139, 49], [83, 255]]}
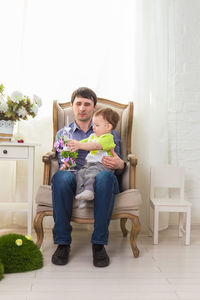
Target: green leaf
{"points": [[1, 88]]}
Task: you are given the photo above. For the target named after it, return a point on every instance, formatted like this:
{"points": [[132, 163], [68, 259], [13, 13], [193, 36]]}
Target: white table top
{"points": [[18, 144]]}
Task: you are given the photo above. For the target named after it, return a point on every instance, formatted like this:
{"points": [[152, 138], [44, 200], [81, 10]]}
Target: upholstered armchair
{"points": [[127, 202]]}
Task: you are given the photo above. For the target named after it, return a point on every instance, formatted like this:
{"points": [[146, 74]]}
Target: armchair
{"points": [[127, 202]]}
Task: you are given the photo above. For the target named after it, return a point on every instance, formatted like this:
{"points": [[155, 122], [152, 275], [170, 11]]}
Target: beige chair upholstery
{"points": [[127, 202]]}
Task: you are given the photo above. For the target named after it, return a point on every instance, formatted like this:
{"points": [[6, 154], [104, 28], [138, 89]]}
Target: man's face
{"points": [[83, 109]]}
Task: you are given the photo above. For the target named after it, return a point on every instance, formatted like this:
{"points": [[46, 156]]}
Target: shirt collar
{"points": [[76, 127]]}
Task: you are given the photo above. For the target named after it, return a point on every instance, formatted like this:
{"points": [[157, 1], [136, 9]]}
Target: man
{"points": [[83, 103]]}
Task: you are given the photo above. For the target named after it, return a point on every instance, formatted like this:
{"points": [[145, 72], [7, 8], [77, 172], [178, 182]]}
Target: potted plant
{"points": [[14, 108]]}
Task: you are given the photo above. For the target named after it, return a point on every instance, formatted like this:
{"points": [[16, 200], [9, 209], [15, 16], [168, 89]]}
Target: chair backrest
{"points": [[62, 112], [168, 177]]}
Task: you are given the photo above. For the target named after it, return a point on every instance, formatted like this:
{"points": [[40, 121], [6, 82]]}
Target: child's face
{"points": [[101, 126]]}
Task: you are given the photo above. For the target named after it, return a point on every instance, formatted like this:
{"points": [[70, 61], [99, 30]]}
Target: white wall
{"points": [[184, 108]]}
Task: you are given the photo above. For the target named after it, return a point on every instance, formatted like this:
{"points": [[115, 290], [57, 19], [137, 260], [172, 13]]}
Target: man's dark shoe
{"points": [[100, 257], [61, 255]]}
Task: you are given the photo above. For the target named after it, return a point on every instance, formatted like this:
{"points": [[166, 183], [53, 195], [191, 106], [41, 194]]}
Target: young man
{"points": [[83, 103]]}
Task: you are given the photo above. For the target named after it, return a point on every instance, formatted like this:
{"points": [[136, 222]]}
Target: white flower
{"points": [[22, 112], [3, 105], [28, 237], [34, 109], [17, 96], [65, 148], [37, 100], [18, 242]]}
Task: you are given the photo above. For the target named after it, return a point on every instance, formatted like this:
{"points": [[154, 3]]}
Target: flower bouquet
{"points": [[18, 106], [14, 108], [68, 157]]}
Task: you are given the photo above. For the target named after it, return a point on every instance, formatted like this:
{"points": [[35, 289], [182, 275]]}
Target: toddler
{"points": [[99, 144]]}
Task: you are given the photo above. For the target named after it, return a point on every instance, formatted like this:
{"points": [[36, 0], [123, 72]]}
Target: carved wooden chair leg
{"points": [[134, 232], [123, 226], [38, 226]]}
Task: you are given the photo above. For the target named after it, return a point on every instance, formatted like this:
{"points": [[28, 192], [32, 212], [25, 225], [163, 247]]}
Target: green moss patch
{"points": [[19, 254]]}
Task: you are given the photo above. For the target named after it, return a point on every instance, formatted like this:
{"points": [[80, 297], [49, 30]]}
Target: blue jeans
{"points": [[63, 191]]}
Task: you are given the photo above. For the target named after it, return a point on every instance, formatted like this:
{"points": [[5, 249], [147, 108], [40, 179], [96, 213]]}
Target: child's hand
{"points": [[74, 145]]}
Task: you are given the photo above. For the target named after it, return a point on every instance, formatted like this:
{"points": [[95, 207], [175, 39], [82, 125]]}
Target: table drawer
{"points": [[13, 152]]}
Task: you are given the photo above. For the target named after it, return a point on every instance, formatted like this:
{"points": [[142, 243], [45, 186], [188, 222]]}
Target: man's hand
{"points": [[65, 166], [113, 162]]}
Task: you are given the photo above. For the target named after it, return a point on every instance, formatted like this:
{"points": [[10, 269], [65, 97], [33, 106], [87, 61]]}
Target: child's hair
{"points": [[109, 115]]}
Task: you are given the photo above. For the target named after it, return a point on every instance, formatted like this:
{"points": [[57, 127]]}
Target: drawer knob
{"points": [[5, 151]]}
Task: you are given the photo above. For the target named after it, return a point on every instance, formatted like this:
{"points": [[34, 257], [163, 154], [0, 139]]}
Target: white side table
{"points": [[20, 151]]}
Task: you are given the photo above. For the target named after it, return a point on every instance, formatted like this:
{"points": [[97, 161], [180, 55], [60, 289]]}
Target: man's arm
{"points": [[115, 162], [58, 135]]}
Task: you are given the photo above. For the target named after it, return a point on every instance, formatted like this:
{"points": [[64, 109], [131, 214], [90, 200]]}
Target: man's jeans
{"points": [[63, 191]]}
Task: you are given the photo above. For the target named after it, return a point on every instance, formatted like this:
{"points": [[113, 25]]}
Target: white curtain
{"points": [[118, 48], [153, 88]]}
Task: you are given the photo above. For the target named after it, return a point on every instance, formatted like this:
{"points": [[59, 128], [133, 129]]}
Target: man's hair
{"points": [[84, 92], [109, 115]]}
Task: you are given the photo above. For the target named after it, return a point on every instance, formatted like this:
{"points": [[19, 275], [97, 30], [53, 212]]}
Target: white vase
{"points": [[6, 130]]}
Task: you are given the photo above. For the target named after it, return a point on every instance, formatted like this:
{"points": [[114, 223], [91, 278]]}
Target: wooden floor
{"points": [[169, 271]]}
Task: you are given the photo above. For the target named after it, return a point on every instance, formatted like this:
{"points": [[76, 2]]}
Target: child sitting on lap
{"points": [[99, 144]]}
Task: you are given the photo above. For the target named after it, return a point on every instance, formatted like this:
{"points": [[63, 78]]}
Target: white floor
{"points": [[169, 270]]}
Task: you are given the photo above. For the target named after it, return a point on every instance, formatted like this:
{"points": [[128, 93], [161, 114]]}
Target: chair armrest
{"points": [[132, 159], [47, 158], [128, 178], [132, 175]]}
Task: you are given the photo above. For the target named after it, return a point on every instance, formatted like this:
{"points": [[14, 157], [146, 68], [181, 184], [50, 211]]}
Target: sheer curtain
{"points": [[11, 24], [118, 48], [153, 87]]}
